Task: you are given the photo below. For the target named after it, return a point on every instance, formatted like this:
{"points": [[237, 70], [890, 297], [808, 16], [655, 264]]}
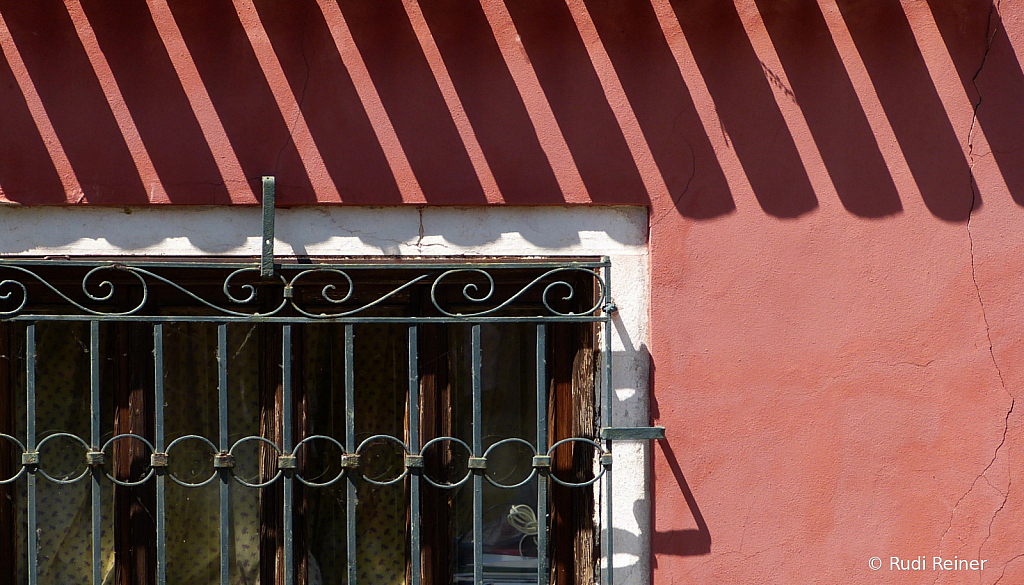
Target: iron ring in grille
{"points": [[447, 486], [146, 477], [510, 441], [21, 470], [231, 452], [590, 481], [66, 480], [310, 439], [213, 451], [389, 438]]}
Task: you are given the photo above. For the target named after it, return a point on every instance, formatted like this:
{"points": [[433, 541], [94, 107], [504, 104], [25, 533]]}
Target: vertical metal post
{"points": [[94, 445], [161, 478], [414, 449], [30, 445], [542, 449], [286, 448], [606, 421], [225, 477], [350, 448], [267, 255], [478, 474]]}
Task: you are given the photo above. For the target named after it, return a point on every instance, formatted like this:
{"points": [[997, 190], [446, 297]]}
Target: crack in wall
{"points": [[975, 196], [675, 199], [374, 239], [369, 236], [1003, 572], [419, 240], [992, 520], [419, 245], [301, 98]]}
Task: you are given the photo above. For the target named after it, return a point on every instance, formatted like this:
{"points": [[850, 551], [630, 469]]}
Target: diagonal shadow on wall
{"points": [[242, 96], [686, 542], [492, 102], [74, 102], [566, 73], [188, 162], [975, 36], [886, 44], [409, 92], [825, 94], [158, 104], [746, 106], [27, 173], [663, 107], [326, 94]]}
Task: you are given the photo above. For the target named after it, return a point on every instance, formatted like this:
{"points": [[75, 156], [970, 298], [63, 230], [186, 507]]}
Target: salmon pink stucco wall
{"points": [[836, 198]]}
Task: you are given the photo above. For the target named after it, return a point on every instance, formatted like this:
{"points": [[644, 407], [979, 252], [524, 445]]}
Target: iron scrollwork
{"points": [[243, 289]]}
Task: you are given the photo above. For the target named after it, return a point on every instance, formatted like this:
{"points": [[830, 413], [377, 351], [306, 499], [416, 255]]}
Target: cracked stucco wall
{"points": [[850, 382]]}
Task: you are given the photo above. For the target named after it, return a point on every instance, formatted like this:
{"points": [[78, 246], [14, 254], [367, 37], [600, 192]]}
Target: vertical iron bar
{"points": [[30, 444], [267, 255], [350, 448], [542, 449], [414, 449], [606, 370], [94, 442], [225, 478], [161, 478], [286, 448], [606, 421], [478, 474]]}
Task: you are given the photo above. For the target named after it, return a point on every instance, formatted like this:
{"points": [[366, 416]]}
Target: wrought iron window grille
{"points": [[538, 294]]}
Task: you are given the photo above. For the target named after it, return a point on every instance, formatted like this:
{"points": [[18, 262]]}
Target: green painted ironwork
{"points": [[334, 292], [267, 243]]}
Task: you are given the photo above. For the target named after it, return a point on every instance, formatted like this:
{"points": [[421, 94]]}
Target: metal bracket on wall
{"points": [[267, 256], [632, 433]]}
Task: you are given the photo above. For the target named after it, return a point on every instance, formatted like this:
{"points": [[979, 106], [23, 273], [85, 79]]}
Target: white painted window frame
{"points": [[621, 233]]}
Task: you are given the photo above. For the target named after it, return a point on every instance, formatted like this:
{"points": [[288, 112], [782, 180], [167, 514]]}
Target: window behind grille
{"points": [[320, 411]]}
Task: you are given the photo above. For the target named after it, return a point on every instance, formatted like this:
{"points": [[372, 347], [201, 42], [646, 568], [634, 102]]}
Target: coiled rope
{"points": [[524, 520]]}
